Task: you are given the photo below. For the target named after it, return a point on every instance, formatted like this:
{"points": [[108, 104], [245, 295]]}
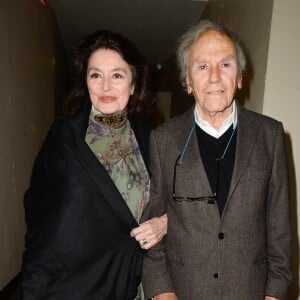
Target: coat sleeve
{"points": [[156, 278], [278, 223], [40, 265]]}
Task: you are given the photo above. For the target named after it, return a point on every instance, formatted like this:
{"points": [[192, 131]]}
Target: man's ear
{"points": [[240, 81], [188, 85]]}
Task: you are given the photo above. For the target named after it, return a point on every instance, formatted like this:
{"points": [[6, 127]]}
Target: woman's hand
{"points": [[150, 232], [166, 296]]}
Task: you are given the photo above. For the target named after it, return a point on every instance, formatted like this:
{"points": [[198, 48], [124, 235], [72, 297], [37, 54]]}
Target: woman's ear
{"points": [[132, 89]]}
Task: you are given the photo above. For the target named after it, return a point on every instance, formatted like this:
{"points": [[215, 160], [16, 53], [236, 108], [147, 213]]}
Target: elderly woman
{"points": [[90, 184]]}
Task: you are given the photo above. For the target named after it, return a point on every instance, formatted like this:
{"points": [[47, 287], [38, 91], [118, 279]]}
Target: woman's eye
{"points": [[117, 75], [94, 75]]}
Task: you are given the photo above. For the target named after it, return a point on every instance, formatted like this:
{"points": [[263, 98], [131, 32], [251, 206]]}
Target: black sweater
{"points": [[219, 172]]}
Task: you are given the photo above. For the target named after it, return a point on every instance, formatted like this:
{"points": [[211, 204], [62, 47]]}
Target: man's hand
{"points": [[166, 296], [270, 298], [150, 232]]}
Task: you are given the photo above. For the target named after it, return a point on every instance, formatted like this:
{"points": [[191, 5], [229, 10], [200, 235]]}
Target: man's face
{"points": [[213, 74]]}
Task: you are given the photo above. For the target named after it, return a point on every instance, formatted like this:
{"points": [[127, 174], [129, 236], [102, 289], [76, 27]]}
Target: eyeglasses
{"points": [[209, 199]]}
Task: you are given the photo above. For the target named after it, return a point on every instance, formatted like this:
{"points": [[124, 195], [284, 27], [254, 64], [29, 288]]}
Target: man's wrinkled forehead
{"points": [[213, 43]]}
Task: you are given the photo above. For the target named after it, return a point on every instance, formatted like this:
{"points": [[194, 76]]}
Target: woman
{"points": [[90, 183]]}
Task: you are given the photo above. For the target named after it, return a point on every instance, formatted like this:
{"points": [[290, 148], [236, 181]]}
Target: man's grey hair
{"points": [[193, 34]]}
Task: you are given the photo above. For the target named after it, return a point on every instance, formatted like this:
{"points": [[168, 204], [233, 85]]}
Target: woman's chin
{"points": [[108, 110]]}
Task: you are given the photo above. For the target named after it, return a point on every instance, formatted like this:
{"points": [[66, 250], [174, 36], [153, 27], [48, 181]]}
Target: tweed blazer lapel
{"points": [[107, 189], [191, 178], [246, 138]]}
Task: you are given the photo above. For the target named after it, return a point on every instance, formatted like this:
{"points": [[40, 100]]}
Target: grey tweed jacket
{"points": [[243, 255]]}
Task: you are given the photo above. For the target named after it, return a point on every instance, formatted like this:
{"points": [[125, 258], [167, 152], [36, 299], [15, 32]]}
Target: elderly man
{"points": [[220, 172]]}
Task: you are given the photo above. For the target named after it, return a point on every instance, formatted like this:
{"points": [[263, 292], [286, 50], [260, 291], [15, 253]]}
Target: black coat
{"points": [[78, 244]]}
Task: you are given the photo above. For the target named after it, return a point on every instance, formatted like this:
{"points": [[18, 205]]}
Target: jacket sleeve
{"points": [[156, 278], [278, 223]]}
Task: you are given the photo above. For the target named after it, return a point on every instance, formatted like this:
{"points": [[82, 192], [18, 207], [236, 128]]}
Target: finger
{"points": [[141, 236], [148, 242], [148, 245], [136, 231], [142, 228], [143, 243]]}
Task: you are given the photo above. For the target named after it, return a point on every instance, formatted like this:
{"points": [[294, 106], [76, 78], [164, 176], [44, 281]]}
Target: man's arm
{"points": [[278, 224], [156, 278], [170, 296]]}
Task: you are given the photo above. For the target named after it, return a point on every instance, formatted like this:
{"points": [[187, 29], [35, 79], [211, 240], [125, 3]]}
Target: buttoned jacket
{"points": [[245, 253]]}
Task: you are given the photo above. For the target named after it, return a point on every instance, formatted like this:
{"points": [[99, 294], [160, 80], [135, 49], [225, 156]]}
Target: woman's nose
{"points": [[106, 84]]}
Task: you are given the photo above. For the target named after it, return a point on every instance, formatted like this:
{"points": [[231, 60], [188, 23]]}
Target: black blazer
{"points": [[78, 244]]}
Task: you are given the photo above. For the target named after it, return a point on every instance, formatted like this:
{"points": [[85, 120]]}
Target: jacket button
{"points": [[221, 235], [216, 275]]}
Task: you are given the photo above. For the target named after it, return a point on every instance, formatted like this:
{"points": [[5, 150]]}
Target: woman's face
{"points": [[109, 81]]}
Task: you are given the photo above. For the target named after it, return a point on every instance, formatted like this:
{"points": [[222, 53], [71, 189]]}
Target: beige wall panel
{"points": [[27, 31], [282, 101], [251, 20]]}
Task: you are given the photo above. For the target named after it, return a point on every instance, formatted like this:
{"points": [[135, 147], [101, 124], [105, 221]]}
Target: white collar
{"points": [[209, 129]]}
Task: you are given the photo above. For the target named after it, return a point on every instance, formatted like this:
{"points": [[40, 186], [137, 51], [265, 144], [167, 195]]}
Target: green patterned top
{"points": [[118, 151]]}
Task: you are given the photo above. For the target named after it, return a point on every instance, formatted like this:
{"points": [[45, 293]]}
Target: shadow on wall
{"points": [[243, 95], [166, 81], [10, 291], [294, 289]]}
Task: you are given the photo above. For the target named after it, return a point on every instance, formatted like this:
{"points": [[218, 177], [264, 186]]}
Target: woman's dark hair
{"points": [[79, 95]]}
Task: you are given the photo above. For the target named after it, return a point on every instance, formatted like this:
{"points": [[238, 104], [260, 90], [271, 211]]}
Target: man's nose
{"points": [[214, 74]]}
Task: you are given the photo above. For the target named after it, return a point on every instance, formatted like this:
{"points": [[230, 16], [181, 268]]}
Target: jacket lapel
{"points": [[246, 138], [191, 178], [107, 189]]}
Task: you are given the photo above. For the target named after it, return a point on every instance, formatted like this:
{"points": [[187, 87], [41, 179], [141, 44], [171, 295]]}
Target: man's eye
{"points": [[202, 67], [227, 64]]}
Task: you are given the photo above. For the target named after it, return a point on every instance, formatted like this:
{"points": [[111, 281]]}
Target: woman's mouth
{"points": [[106, 99]]}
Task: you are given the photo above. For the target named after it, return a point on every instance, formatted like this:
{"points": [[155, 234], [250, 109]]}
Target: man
{"points": [[220, 172]]}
